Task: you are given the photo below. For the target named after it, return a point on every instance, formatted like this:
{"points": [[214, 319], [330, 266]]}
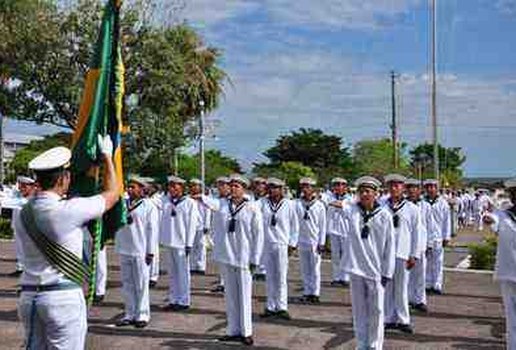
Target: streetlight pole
{"points": [[434, 91], [201, 145], [394, 126]]}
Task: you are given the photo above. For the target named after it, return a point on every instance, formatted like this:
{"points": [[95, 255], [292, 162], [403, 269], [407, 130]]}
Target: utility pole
{"points": [[394, 125], [2, 170], [201, 145], [434, 90]]}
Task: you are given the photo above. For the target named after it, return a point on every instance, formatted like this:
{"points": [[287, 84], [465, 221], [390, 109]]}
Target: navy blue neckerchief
{"points": [[395, 209], [274, 208], [233, 211], [175, 202], [307, 207], [366, 216]]}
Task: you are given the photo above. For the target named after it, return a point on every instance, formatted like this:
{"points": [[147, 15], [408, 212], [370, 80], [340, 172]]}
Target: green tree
{"points": [[323, 153], [451, 160], [290, 172], [374, 157], [19, 164]]}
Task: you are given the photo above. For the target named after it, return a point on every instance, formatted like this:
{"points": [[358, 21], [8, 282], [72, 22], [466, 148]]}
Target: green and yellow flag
{"points": [[100, 113]]}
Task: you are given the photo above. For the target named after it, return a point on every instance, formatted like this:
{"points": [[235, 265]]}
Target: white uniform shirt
{"points": [[425, 213], [205, 213], [409, 226], [312, 230], [283, 232], [137, 238], [335, 224], [440, 228], [505, 228], [61, 221], [374, 256], [16, 212], [178, 231], [243, 246]]}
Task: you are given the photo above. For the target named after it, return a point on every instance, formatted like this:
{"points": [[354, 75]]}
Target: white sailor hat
{"points": [[368, 181], [240, 179], [195, 181], [307, 181], [412, 182], [138, 180], [429, 182], [395, 178], [222, 179], [510, 183], [259, 179], [272, 181], [149, 180], [339, 180], [53, 159], [25, 180], [175, 179]]}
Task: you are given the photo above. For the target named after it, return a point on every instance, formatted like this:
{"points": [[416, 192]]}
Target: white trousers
{"points": [[310, 263], [508, 290], [337, 251], [54, 320], [277, 270], [238, 297], [367, 298], [396, 295], [154, 266], [417, 281], [135, 287], [434, 268], [479, 223], [179, 276], [19, 252], [198, 257], [101, 276]]}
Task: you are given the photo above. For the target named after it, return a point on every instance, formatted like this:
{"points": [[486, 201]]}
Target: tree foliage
{"points": [[451, 160], [290, 172], [374, 157]]}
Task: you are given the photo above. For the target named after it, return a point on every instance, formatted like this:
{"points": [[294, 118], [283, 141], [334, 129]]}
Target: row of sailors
{"points": [[375, 244]]}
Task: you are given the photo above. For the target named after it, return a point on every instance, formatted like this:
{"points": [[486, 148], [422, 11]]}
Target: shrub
{"points": [[5, 228], [483, 255]]}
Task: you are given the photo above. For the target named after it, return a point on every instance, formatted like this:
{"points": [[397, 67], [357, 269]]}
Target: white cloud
{"points": [[209, 12]]}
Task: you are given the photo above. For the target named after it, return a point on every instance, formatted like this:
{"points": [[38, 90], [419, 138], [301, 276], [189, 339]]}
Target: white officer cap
{"points": [[195, 182], [175, 180], [25, 180], [412, 182], [259, 179], [339, 180], [222, 179], [272, 181], [428, 182], [240, 179], [368, 181], [307, 181], [53, 159], [138, 180], [395, 178], [510, 183]]}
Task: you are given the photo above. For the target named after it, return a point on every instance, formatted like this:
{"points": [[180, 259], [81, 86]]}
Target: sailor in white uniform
{"points": [[407, 225], [153, 192], [311, 214], [439, 235], [280, 224], [135, 244], [52, 306], [26, 188], [370, 259], [259, 188], [417, 278], [179, 221], [198, 258], [336, 200], [503, 223], [238, 250]]}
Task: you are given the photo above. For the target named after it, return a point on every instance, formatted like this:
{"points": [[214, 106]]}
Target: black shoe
{"points": [[335, 283], [406, 328], [169, 307], [141, 324], [284, 315], [153, 284], [125, 322], [390, 326], [344, 284], [179, 307], [97, 299], [438, 292], [247, 341], [259, 277], [268, 313], [230, 338], [430, 290], [217, 289], [16, 273], [198, 272], [305, 299], [421, 307], [314, 299]]}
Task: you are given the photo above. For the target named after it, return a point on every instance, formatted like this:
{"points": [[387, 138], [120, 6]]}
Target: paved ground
{"points": [[468, 316]]}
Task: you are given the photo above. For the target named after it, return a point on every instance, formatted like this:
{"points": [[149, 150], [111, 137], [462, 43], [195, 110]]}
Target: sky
{"points": [[326, 64]]}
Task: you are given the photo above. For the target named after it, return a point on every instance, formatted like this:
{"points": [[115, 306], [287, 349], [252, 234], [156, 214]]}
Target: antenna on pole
{"points": [[394, 125]]}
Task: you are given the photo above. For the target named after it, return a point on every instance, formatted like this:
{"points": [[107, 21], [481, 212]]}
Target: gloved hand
{"points": [[105, 145]]}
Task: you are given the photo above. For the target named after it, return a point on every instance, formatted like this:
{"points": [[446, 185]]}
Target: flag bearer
{"points": [[438, 235], [238, 250], [52, 306], [280, 225], [179, 220], [407, 225], [370, 259], [311, 214], [135, 245], [198, 258]]}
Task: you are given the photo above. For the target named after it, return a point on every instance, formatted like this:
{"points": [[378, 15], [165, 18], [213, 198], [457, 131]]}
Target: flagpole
{"points": [[201, 145]]}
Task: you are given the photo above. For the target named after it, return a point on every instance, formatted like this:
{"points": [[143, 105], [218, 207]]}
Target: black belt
{"points": [[49, 287]]}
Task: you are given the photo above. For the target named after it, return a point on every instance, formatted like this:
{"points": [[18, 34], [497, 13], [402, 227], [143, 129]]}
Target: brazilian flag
{"points": [[100, 113]]}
